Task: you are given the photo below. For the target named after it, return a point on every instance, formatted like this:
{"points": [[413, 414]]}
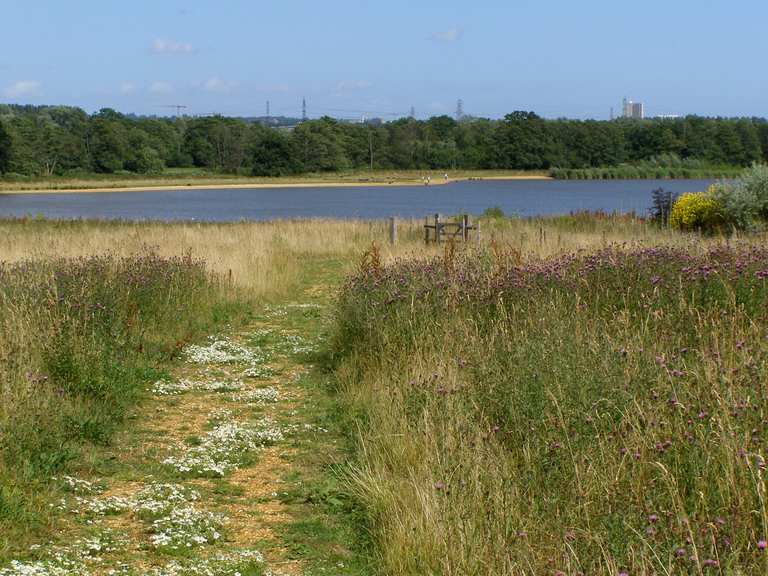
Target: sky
{"points": [[559, 58]]}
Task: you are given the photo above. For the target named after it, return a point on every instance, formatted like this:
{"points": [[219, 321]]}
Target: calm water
{"points": [[521, 197]]}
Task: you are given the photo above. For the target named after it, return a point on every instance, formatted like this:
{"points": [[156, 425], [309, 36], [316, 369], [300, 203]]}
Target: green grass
{"points": [[80, 338], [330, 534], [641, 171]]}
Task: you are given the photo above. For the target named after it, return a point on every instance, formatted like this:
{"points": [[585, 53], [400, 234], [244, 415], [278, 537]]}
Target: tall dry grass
{"points": [[267, 259], [583, 414]]}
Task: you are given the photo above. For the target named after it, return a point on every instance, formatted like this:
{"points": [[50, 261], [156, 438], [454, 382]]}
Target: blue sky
{"points": [[558, 57]]}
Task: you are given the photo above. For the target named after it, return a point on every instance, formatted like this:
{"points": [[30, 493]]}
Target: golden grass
{"points": [[267, 259]]}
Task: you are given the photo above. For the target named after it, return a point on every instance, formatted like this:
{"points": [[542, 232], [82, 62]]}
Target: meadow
{"points": [[594, 412], [580, 394]]}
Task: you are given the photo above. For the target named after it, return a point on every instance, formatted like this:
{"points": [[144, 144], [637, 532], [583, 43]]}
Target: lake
{"points": [[521, 197]]}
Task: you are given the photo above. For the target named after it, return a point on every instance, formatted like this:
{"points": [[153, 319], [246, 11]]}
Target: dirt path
{"points": [[214, 475]]}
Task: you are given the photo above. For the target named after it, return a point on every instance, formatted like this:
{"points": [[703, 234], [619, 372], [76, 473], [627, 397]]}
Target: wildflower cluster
{"points": [[71, 560], [283, 310], [166, 388], [259, 372], [151, 500], [222, 350], [295, 344], [222, 564], [58, 566], [225, 447], [80, 486], [186, 527], [257, 395]]}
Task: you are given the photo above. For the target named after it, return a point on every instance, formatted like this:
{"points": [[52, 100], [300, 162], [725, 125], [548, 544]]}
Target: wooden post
{"points": [[393, 230], [465, 222], [437, 228], [477, 231], [426, 230]]}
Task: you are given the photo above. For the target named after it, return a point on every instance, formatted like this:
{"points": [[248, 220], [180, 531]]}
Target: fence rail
{"points": [[438, 231]]}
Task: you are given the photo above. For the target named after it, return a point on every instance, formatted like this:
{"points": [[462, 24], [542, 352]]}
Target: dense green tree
{"points": [[48, 140], [274, 154], [523, 141], [321, 145], [108, 141], [5, 148]]}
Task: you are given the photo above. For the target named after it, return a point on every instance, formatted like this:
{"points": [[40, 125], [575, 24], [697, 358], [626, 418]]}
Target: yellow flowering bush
{"points": [[696, 211]]}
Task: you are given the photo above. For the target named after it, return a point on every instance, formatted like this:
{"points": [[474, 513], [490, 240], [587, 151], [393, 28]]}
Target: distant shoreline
{"points": [[264, 185]]}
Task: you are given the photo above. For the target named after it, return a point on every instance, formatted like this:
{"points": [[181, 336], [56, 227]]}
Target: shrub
{"points": [[739, 206], [755, 182], [696, 211]]}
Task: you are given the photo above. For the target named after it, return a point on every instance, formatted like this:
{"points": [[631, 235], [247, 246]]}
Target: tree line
{"points": [[58, 140]]}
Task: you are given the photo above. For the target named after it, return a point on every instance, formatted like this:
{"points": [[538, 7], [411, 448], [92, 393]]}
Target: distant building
{"points": [[633, 110]]}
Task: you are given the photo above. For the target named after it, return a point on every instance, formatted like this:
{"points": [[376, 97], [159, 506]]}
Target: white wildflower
{"points": [[222, 350], [225, 447], [185, 528], [257, 395], [222, 564], [257, 371], [166, 388]]}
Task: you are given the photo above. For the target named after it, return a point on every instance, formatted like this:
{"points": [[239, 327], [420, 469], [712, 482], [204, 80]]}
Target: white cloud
{"points": [[127, 88], [217, 84], [163, 46], [161, 88], [350, 85], [450, 35], [23, 88]]}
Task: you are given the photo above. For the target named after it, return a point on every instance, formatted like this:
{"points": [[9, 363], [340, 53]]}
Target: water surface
{"points": [[521, 197]]}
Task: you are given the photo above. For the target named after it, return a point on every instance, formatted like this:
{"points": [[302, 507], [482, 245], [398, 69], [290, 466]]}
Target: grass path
{"points": [[230, 467]]}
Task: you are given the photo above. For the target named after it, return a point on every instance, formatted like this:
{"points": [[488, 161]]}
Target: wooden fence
{"points": [[437, 231]]}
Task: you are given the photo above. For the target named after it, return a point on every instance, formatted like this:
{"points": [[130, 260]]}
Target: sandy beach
{"points": [[260, 185]]}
